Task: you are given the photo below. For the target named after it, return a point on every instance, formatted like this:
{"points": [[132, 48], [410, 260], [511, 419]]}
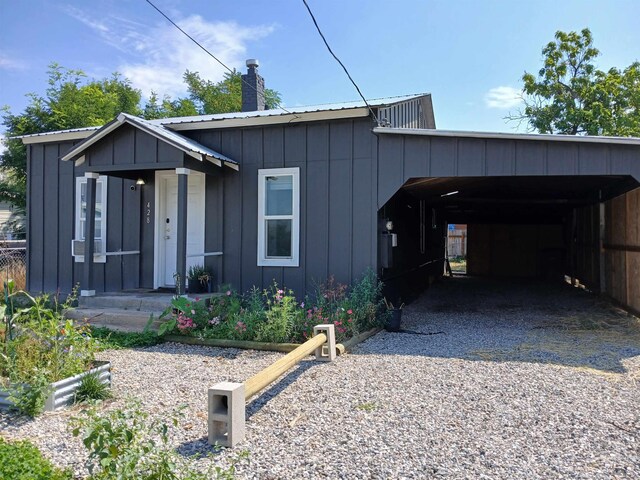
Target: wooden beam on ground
{"points": [[273, 372]]}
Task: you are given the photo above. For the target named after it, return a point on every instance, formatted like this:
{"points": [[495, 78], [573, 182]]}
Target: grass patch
{"points": [[112, 339]]}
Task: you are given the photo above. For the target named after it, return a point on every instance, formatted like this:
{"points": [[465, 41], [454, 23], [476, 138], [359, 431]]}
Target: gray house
{"points": [[298, 195]]}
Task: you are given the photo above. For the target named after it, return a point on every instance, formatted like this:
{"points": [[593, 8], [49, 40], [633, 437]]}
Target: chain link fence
{"points": [[13, 263]]}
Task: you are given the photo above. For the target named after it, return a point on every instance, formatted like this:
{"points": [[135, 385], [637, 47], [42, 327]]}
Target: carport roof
{"points": [[509, 136]]}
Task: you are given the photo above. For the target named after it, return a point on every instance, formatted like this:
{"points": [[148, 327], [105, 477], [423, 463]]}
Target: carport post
{"points": [[181, 248]]}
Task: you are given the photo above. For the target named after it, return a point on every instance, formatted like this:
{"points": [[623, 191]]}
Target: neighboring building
{"points": [[298, 195]]}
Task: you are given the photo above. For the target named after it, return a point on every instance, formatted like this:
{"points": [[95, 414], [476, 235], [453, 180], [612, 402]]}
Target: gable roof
{"points": [[187, 145], [238, 119]]}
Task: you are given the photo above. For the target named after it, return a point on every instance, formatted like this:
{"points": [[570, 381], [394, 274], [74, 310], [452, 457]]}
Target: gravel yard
{"points": [[524, 381]]}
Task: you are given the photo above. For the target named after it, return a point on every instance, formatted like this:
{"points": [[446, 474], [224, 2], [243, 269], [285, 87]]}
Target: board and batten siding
{"points": [[337, 202], [51, 224], [409, 156]]}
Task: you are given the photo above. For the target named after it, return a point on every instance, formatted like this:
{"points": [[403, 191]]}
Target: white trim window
{"points": [[101, 216], [279, 217]]}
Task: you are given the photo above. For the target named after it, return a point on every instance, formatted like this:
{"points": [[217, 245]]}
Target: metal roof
{"points": [[187, 145], [509, 136], [183, 123], [327, 107]]}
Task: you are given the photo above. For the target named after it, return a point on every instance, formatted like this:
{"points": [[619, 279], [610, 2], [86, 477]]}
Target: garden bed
{"points": [[63, 392], [265, 346], [275, 318]]}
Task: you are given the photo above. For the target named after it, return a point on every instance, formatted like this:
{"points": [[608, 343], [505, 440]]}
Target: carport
{"points": [[536, 206]]}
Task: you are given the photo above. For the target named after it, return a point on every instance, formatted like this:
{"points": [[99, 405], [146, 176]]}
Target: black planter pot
{"points": [[197, 287], [394, 320]]}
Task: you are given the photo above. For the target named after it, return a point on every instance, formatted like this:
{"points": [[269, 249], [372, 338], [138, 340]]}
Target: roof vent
{"points": [[253, 63]]}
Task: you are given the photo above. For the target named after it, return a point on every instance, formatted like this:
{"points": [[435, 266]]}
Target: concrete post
{"points": [[181, 254], [88, 289], [327, 351], [226, 414]]}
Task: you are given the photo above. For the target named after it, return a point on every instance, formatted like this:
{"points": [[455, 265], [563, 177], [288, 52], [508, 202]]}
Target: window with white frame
{"points": [[279, 217], [100, 234]]}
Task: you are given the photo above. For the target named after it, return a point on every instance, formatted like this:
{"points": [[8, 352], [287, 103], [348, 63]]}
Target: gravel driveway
{"points": [[490, 380]]}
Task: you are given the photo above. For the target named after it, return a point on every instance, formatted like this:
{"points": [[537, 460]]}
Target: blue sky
{"points": [[469, 54]]}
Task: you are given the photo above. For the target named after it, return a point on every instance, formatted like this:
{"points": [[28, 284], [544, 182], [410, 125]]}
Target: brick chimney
{"points": [[252, 88]]}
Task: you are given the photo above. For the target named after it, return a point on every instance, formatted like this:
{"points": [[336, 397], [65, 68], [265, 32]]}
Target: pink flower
{"points": [[302, 305], [197, 299], [350, 312], [241, 327], [228, 293], [280, 292]]}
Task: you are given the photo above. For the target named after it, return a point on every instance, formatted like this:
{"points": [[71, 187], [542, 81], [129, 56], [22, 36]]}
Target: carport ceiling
{"points": [[515, 199]]}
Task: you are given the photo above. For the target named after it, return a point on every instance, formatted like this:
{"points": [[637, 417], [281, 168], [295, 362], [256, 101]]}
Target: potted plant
{"points": [[199, 279], [394, 317]]}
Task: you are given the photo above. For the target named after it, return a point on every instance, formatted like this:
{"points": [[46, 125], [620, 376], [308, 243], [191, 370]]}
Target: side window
{"points": [[101, 217], [279, 217]]}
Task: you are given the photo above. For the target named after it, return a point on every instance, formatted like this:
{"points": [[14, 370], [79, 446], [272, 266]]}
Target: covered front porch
{"points": [[151, 234]]}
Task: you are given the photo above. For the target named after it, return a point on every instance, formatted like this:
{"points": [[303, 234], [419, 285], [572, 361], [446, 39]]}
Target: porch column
{"points": [[89, 236], [181, 257]]}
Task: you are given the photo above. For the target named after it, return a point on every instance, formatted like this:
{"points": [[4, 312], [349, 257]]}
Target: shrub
{"points": [[22, 460], [127, 443]]}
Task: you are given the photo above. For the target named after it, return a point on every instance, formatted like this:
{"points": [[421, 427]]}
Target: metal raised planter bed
{"points": [[63, 391]]}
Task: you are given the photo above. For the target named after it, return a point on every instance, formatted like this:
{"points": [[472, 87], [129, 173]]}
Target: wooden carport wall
{"points": [[608, 259], [607, 249]]}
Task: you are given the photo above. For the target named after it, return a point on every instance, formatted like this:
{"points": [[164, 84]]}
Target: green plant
{"points": [[92, 388], [21, 460], [367, 406], [127, 443], [282, 312], [30, 398], [200, 274]]}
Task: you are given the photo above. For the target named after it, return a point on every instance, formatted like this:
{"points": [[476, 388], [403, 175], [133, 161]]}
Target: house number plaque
{"points": [[148, 214]]}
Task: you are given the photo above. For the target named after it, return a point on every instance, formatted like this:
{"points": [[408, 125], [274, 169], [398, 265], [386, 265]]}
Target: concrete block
{"points": [[226, 414], [327, 351]]}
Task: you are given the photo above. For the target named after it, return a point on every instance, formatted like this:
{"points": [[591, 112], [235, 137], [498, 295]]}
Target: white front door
{"points": [[167, 225]]}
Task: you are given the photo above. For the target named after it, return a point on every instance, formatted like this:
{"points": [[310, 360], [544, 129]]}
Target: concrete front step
{"points": [[116, 318], [148, 303]]}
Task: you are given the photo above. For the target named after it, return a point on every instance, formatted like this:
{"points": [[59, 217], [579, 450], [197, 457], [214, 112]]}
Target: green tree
{"points": [[70, 101], [223, 96], [571, 96], [182, 107]]}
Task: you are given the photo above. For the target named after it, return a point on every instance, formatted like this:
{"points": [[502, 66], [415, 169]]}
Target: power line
{"points": [[212, 55], [338, 60]]}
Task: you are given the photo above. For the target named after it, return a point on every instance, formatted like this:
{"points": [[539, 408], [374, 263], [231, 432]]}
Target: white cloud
{"points": [[503, 97], [165, 53], [8, 63]]}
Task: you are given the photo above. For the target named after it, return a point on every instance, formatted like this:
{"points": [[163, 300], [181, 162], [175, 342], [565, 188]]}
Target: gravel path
{"points": [[525, 381]]}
